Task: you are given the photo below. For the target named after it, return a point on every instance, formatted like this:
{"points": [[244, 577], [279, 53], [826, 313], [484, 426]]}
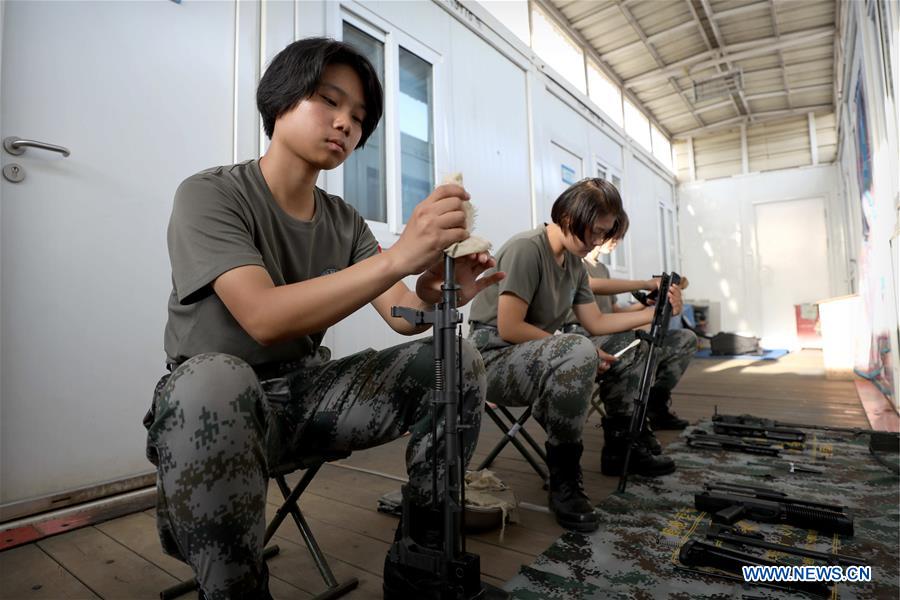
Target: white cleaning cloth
{"points": [[473, 244]]}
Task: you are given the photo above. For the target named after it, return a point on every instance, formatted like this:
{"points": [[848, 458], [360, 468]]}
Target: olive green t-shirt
{"points": [[600, 271], [533, 275], [226, 217], [604, 302]]}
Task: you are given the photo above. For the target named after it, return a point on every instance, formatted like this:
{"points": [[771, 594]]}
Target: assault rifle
{"points": [[730, 503], [459, 570], [777, 434], [709, 441], [662, 314], [695, 553], [750, 420], [733, 535]]}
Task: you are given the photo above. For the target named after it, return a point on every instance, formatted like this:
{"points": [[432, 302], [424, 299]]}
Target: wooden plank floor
{"points": [[122, 558]]}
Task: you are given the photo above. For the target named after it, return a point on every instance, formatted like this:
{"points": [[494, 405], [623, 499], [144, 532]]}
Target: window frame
{"points": [[618, 260], [335, 177], [411, 45], [393, 39]]}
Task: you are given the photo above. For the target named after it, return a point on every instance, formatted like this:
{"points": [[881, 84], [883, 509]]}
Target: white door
{"points": [[142, 94], [793, 264], [566, 168]]}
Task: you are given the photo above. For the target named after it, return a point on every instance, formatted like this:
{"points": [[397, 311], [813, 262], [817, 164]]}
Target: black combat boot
{"points": [[568, 501], [649, 439], [615, 446], [661, 417]]}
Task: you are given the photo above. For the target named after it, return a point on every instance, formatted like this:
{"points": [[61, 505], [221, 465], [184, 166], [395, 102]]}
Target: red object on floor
{"points": [[36, 531], [809, 330], [19, 536]]}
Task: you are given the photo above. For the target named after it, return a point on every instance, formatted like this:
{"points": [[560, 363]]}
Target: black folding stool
{"points": [[311, 466], [511, 430], [596, 404]]}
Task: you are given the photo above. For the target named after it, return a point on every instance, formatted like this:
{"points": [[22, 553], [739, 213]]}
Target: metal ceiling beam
{"points": [[755, 48], [724, 14], [716, 105], [656, 37], [760, 117], [766, 49], [799, 65], [837, 72], [751, 98], [699, 24], [666, 115], [720, 42], [795, 90], [748, 72], [594, 13], [784, 79], [659, 61]]}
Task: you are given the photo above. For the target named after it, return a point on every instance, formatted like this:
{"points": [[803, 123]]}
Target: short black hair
{"points": [[620, 228], [578, 208], [295, 73]]}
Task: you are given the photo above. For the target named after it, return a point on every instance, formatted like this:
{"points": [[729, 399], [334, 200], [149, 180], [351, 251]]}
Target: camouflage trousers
{"points": [[554, 375], [215, 429], [620, 385]]}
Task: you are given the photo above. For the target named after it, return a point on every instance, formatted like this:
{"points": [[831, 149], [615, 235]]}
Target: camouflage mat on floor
{"points": [[635, 552]]}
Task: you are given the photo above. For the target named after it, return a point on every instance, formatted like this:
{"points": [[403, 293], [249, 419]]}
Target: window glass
{"points": [[557, 48], [637, 125], [416, 139], [513, 14], [662, 149], [364, 171], [605, 93]]}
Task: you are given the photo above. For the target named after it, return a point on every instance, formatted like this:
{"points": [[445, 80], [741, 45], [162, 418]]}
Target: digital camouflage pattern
{"points": [[554, 375], [619, 386], [634, 554], [215, 428]]}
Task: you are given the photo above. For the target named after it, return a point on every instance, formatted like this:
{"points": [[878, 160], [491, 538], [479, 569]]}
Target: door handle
{"points": [[16, 146]]}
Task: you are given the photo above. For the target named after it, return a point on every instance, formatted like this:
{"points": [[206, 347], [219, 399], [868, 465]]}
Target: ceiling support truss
{"points": [[659, 61]]}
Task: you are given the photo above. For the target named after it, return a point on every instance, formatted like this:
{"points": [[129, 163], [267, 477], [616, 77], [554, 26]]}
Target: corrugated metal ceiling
{"points": [[783, 51]]}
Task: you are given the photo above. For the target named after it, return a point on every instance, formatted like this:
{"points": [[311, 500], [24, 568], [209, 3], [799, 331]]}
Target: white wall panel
{"points": [[644, 193], [555, 123], [718, 155], [718, 246], [85, 276], [865, 50], [682, 152], [779, 145], [606, 149], [826, 137], [771, 146]]}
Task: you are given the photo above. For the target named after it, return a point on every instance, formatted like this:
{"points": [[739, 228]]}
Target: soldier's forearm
{"points": [[607, 287], [619, 322], [516, 333]]}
